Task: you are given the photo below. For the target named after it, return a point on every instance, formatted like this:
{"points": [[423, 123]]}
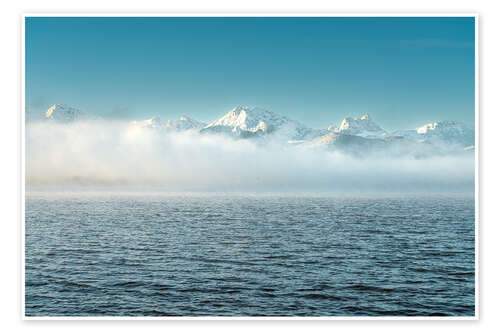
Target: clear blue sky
{"points": [[402, 71]]}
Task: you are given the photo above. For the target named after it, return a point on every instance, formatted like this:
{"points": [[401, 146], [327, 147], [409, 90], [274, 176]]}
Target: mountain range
{"points": [[353, 135]]}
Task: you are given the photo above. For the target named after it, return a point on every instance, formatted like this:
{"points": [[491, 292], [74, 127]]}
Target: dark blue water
{"points": [[202, 255]]}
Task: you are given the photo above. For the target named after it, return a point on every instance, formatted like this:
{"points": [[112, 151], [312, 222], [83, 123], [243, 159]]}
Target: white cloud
{"points": [[112, 153]]}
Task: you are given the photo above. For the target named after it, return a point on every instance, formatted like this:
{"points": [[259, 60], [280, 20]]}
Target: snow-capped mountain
{"points": [[64, 114], [388, 146], [339, 139], [152, 123], [355, 144], [245, 122], [364, 127], [363, 136], [184, 123], [446, 132], [357, 136]]}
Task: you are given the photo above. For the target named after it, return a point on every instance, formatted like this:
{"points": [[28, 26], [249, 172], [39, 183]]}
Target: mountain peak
{"points": [[56, 108], [182, 124], [363, 126], [438, 125], [250, 119], [63, 113], [248, 111], [240, 108], [245, 121], [444, 131]]}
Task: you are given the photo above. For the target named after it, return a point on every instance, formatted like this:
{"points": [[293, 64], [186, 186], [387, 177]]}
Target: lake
{"points": [[163, 254]]}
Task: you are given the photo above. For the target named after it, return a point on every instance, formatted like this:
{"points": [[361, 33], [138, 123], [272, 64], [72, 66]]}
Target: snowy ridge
{"points": [[363, 136], [355, 144], [251, 121], [64, 114], [363, 126], [359, 136], [152, 123], [184, 123], [451, 132]]}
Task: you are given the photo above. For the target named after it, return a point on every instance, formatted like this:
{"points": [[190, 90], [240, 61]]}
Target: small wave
{"points": [[35, 284], [193, 290], [157, 313], [160, 286], [279, 257], [363, 287], [462, 273], [438, 314], [128, 284], [323, 296], [75, 284]]}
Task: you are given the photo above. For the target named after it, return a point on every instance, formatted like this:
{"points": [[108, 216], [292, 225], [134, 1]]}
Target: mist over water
{"points": [[116, 154]]}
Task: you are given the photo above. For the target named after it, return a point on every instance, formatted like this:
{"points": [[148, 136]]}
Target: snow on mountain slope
{"points": [[357, 135], [64, 114], [345, 142], [184, 123], [387, 146], [446, 132], [439, 138], [251, 122], [364, 127], [152, 123]]}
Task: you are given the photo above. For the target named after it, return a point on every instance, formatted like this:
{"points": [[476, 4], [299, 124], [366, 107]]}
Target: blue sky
{"points": [[404, 72]]}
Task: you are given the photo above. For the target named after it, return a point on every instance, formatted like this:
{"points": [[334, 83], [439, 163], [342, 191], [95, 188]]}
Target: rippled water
{"points": [[201, 255]]}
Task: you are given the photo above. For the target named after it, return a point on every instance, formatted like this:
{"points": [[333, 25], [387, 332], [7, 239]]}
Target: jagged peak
{"points": [[256, 120], [182, 123], [64, 113], [240, 115], [55, 107], [440, 124], [240, 108], [365, 117], [362, 126], [247, 110]]}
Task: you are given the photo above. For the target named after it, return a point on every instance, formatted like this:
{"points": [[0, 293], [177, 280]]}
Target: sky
{"points": [[403, 72]]}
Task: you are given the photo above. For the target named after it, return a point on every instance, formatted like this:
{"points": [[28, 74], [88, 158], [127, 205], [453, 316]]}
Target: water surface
{"points": [[105, 254]]}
